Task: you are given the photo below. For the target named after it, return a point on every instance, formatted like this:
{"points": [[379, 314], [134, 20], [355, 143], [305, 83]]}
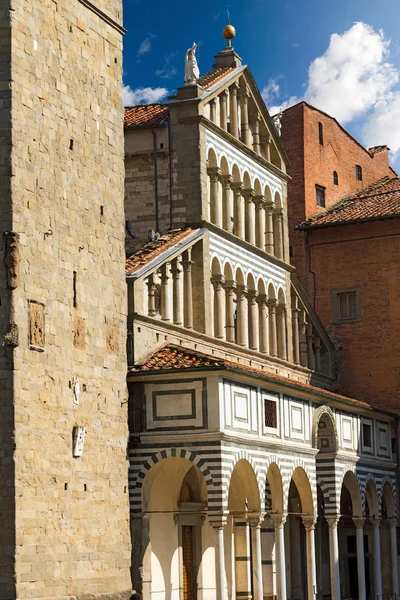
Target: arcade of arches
{"points": [[282, 542]]}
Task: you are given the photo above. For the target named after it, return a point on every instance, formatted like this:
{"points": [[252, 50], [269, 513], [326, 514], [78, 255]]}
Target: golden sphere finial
{"points": [[229, 33]]}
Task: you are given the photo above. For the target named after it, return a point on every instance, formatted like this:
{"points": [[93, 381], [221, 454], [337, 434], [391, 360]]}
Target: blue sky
{"points": [[341, 55]]}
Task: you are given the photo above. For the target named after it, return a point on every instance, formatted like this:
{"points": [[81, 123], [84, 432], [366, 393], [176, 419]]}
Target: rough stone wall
{"points": [[70, 305], [364, 255], [7, 476], [140, 196], [313, 164]]}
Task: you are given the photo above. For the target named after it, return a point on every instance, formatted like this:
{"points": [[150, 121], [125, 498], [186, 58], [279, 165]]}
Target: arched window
{"points": [[358, 173], [335, 178], [321, 133]]}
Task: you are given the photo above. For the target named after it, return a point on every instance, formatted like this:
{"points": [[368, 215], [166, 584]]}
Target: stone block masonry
{"points": [[64, 529]]}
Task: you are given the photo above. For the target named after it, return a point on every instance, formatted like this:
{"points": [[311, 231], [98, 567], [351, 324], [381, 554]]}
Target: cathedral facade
{"points": [[250, 475]]}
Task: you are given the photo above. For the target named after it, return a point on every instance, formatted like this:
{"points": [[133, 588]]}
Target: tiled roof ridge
{"points": [[374, 190], [215, 75], [199, 361], [152, 249], [145, 115]]}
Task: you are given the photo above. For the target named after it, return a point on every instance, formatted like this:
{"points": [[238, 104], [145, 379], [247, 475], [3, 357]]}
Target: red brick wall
{"points": [[365, 255], [313, 164]]}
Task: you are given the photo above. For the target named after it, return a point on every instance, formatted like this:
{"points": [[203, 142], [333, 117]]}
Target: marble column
{"points": [[253, 319], [187, 289], [273, 340], [310, 348], [317, 349], [223, 119], [213, 110], [269, 228], [165, 293], [303, 338], [233, 98], [255, 526], [377, 557], [359, 525], [217, 281], [215, 201], [393, 556], [278, 234], [227, 203], [260, 221], [334, 557], [255, 129], [242, 558], [279, 522], [176, 292], [244, 113], [238, 226], [220, 576], [241, 318], [230, 287], [151, 304], [309, 524], [250, 231], [263, 322], [295, 330], [281, 319]]}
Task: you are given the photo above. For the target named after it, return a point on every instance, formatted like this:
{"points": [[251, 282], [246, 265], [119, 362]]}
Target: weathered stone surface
{"points": [[64, 521]]}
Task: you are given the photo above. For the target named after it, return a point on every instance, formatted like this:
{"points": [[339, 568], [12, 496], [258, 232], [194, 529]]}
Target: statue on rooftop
{"points": [[277, 122], [192, 72]]}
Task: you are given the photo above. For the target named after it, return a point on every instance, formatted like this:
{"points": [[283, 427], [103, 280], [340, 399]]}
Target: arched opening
{"points": [[325, 438], [243, 501], [269, 221], [172, 536], [272, 320], [300, 505]]}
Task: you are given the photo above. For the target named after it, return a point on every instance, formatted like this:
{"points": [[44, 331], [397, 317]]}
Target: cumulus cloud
{"points": [[382, 125], [146, 95], [353, 75], [144, 47], [270, 92]]}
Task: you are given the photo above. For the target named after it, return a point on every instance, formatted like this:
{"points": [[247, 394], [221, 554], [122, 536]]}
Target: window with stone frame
{"points": [[320, 195], [346, 305]]}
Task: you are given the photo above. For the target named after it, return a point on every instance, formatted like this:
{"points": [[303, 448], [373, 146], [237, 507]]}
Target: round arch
{"points": [[388, 498], [244, 493], [303, 485], [371, 496], [212, 158], [350, 482], [274, 479], [328, 431]]}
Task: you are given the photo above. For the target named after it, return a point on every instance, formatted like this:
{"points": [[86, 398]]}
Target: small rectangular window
{"points": [[270, 414], [367, 435], [321, 133], [320, 195], [347, 306], [358, 173]]}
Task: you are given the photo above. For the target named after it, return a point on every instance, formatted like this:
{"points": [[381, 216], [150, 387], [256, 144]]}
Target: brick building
{"points": [[326, 164]]}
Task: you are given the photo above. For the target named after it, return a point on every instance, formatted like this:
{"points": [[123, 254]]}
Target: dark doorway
{"points": [[353, 576]]}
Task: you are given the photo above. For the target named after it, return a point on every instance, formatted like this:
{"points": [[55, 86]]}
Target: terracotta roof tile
{"points": [[376, 149], [174, 358], [381, 200], [145, 115], [152, 250], [211, 78]]}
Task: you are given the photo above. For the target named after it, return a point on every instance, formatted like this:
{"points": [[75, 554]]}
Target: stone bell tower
{"points": [[64, 514]]}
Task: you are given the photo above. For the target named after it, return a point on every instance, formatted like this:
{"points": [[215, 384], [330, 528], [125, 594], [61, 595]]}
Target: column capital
{"points": [[256, 521], [280, 308], [262, 299], [244, 93], [213, 101], [230, 284], [234, 88], [255, 119], [175, 267], [269, 206], [392, 521], [317, 341], [241, 289], [333, 521], [358, 522], [226, 179], [248, 194], [217, 521], [375, 523], [259, 200], [164, 271], [214, 173], [217, 281], [237, 187], [278, 520], [223, 95], [310, 522], [150, 282], [273, 303]]}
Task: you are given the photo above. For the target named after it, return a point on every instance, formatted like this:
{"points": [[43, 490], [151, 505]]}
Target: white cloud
{"points": [[274, 110], [270, 92], [166, 72], [144, 47], [146, 95], [382, 125], [353, 75]]}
